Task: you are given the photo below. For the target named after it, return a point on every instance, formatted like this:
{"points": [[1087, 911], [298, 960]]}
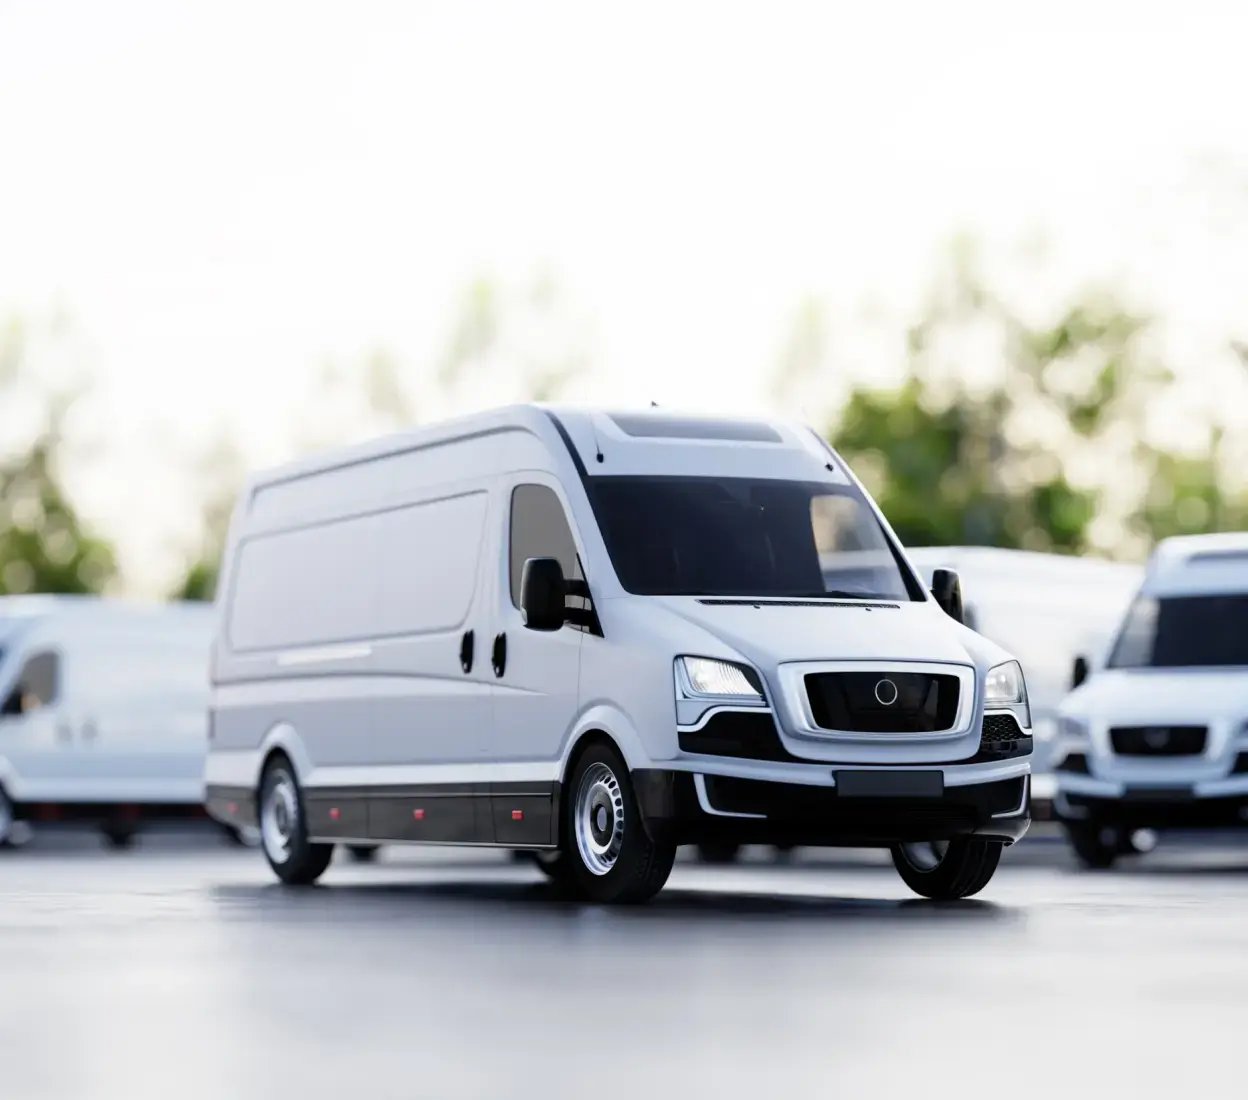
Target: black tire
{"points": [[957, 870], [555, 865], [7, 819], [719, 853], [363, 853], [118, 834], [284, 835], [1095, 846], [636, 865]]}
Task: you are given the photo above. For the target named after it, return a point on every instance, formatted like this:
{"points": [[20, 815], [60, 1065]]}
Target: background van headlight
{"points": [[1005, 689], [706, 676], [1073, 729]]}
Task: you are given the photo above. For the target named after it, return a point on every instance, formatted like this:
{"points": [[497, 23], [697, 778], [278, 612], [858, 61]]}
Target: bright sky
{"points": [[225, 195]]}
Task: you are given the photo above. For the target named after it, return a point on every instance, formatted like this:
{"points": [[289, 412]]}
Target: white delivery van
{"points": [[103, 711], [1157, 735], [598, 636], [1046, 609]]}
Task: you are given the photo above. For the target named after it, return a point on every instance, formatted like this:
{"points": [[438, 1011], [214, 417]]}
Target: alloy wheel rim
{"points": [[926, 855], [279, 819], [599, 819]]}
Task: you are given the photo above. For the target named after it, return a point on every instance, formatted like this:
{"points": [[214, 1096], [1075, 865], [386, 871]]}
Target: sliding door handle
{"points": [[465, 651], [498, 658]]}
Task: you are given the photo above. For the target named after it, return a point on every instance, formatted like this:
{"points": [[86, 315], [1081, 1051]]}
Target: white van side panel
{"points": [[403, 571]]}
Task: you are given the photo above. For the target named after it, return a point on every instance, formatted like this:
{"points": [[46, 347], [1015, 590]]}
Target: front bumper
{"points": [[694, 808], [1154, 808]]}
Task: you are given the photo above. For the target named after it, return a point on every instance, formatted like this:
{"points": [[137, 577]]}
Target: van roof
{"points": [[1199, 564], [26, 609], [639, 441]]}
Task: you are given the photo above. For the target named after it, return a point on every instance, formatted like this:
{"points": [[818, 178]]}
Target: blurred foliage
{"points": [[1047, 449], [44, 545]]}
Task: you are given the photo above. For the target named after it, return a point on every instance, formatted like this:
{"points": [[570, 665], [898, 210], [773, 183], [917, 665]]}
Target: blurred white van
{"points": [[597, 636], [1046, 609], [1157, 736], [103, 711]]}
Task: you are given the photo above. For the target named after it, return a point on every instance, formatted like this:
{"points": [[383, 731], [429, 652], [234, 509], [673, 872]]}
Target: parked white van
{"points": [[1157, 736], [598, 636], [1046, 609], [103, 711]]}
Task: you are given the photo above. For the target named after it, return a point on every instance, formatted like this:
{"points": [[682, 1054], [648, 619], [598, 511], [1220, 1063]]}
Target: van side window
{"points": [[37, 685], [539, 529]]}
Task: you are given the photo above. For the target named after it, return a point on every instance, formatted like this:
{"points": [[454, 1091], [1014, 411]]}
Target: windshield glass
{"points": [[709, 536], [1183, 632]]}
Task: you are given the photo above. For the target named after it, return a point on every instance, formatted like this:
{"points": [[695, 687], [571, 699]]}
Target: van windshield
{"points": [[710, 536], [1183, 632]]}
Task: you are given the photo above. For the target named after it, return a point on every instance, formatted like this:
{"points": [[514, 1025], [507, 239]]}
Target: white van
{"points": [[1157, 736], [103, 711], [1046, 609], [598, 636]]}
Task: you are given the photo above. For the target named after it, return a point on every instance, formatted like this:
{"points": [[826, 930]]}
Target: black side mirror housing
{"points": [[947, 590], [13, 704], [543, 594], [1080, 672]]}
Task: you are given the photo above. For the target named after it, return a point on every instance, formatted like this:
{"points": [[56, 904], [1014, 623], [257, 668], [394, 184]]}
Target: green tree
{"points": [[44, 545], [1048, 450]]}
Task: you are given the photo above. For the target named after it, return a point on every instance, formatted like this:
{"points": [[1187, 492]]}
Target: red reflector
{"points": [[419, 815], [334, 813], [517, 815]]}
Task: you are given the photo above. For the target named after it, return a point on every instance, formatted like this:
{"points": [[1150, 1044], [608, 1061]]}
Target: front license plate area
{"points": [[889, 784]]}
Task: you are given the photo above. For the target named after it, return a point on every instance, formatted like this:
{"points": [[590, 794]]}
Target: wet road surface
{"points": [[180, 969]]}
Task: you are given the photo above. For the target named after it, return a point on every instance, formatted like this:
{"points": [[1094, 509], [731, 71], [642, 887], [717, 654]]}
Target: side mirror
{"points": [[947, 589], [1080, 672], [12, 704], [543, 594]]}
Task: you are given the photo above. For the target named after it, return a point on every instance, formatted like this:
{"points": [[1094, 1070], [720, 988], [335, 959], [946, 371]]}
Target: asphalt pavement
{"points": [[181, 970]]}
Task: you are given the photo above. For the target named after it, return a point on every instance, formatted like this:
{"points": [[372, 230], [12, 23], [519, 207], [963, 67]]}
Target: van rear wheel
{"points": [[611, 857], [947, 870], [284, 831]]}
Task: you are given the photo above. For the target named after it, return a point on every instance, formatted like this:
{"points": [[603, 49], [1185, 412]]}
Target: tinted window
{"points": [[37, 685], [745, 537], [539, 529], [1183, 632]]}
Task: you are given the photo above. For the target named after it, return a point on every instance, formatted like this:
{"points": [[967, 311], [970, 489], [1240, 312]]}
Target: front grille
{"points": [[1000, 727], [1158, 740], [1241, 764], [883, 702]]}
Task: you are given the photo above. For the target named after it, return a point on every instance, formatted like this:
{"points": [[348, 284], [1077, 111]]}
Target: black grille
{"points": [[737, 733], [1158, 740], [1000, 727], [883, 702], [1241, 764]]}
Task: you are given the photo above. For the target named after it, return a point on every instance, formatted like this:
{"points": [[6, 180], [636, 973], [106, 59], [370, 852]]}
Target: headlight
{"points": [[1004, 686], [706, 676], [1074, 728]]}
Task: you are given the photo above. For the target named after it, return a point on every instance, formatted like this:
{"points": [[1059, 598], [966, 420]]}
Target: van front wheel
{"points": [[284, 831], [947, 870], [611, 856]]}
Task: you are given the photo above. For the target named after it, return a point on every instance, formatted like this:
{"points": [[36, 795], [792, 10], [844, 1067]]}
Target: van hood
{"points": [[775, 632], [1148, 696]]}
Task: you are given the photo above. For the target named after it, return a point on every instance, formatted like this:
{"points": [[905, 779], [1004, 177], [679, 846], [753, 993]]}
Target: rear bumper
{"points": [[689, 807]]}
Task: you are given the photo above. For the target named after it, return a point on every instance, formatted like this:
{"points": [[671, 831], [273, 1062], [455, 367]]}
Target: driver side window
{"points": [[37, 685], [539, 529]]}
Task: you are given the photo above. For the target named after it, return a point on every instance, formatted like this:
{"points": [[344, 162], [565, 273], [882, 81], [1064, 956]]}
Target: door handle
{"points": [[465, 651], [89, 730], [499, 656]]}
